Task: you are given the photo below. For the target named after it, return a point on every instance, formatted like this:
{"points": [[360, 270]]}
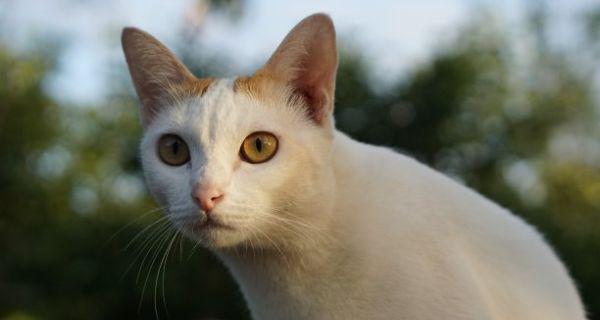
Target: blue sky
{"points": [[393, 35]]}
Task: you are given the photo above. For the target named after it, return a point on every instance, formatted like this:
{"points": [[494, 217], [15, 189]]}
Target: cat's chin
{"points": [[211, 233]]}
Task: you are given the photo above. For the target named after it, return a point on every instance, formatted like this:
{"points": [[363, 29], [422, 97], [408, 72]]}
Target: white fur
{"points": [[332, 228]]}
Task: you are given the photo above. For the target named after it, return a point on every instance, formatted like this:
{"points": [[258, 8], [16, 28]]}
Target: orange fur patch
{"points": [[265, 88], [253, 86], [195, 87]]}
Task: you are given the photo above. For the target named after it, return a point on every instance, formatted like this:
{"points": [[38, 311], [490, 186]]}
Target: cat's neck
{"points": [[276, 281]]}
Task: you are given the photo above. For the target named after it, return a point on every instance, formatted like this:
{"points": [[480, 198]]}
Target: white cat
{"points": [[315, 225]]}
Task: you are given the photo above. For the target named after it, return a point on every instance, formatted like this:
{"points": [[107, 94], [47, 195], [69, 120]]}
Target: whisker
{"points": [[148, 241], [275, 245], [163, 218], [196, 245], [162, 264], [132, 222], [161, 235], [180, 247], [164, 239]]}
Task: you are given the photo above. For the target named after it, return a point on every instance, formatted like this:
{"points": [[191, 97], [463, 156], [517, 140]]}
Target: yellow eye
{"points": [[172, 150], [259, 147]]}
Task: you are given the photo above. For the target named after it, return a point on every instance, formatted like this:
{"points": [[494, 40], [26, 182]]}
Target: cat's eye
{"points": [[259, 147], [172, 150]]}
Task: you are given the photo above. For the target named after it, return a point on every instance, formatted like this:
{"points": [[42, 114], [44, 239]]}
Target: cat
{"points": [[315, 225]]}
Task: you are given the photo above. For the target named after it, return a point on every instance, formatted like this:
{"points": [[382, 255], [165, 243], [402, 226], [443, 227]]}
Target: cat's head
{"points": [[245, 160]]}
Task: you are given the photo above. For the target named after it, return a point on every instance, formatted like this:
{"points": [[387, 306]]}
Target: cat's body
{"points": [[315, 225], [410, 244]]}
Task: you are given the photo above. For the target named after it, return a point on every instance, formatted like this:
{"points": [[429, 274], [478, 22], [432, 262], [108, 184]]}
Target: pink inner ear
{"points": [[307, 60], [317, 103]]}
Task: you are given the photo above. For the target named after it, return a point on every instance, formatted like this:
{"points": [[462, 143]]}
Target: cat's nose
{"points": [[207, 197]]}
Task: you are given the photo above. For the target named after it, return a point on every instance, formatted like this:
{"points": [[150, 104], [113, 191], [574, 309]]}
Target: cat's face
{"points": [[252, 198], [243, 161]]}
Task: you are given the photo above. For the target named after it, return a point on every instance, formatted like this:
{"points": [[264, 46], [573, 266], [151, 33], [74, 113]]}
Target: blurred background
{"points": [[501, 95]]}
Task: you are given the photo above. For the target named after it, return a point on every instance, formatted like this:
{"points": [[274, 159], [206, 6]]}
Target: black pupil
{"points": [[258, 144], [175, 147]]}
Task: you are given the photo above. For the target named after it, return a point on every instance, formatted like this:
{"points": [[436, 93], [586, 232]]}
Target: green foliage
{"points": [[520, 129]]}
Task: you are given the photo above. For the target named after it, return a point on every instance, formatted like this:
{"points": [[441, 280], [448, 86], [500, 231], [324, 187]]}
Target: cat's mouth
{"points": [[208, 223], [202, 224], [213, 231]]}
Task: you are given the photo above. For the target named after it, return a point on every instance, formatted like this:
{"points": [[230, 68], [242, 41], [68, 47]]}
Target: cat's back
{"points": [[432, 234]]}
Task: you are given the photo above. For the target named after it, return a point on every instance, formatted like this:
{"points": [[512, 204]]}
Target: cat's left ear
{"points": [[307, 61]]}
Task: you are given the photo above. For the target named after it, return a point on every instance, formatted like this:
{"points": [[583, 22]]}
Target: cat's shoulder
{"points": [[353, 153]]}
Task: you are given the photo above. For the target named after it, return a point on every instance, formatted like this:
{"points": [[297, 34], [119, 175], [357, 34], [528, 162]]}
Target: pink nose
{"points": [[207, 197]]}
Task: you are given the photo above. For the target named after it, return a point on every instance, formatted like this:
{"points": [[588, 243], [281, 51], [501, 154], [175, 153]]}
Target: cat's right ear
{"points": [[154, 70]]}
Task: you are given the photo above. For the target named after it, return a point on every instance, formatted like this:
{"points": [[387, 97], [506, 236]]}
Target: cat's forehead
{"points": [[214, 115], [223, 115]]}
